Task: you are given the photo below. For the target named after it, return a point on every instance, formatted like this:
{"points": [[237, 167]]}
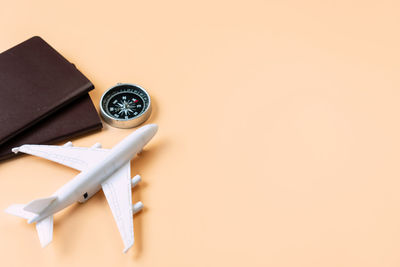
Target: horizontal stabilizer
{"points": [[38, 205], [18, 210], [44, 229]]}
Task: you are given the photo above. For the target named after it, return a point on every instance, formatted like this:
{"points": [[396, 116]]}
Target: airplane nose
{"points": [[148, 132], [151, 129], [154, 127]]}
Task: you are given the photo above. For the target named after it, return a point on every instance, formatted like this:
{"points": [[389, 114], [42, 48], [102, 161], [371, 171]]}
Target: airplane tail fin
{"points": [[30, 211], [44, 227], [40, 204]]}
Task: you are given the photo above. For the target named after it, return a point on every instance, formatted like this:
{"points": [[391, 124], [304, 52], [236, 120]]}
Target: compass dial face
{"points": [[125, 104]]}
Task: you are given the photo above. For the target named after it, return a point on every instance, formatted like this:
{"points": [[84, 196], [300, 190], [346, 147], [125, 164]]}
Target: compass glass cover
{"points": [[125, 102]]}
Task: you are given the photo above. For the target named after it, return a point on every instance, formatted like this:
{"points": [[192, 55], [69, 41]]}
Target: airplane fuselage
{"points": [[90, 180]]}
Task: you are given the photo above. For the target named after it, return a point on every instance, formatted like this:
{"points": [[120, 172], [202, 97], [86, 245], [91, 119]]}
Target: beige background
{"points": [[279, 140]]}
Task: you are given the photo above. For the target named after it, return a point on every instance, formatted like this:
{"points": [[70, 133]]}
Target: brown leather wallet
{"points": [[35, 81]]}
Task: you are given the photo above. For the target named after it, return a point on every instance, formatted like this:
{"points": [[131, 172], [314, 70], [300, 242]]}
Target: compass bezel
{"points": [[122, 122]]}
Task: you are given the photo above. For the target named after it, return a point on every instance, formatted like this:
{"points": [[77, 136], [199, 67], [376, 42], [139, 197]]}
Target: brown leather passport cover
{"points": [[35, 81], [77, 118]]}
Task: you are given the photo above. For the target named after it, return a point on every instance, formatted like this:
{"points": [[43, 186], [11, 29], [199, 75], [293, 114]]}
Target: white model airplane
{"points": [[108, 169]]}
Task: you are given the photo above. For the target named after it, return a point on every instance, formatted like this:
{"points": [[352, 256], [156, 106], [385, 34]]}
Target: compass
{"points": [[125, 105]]}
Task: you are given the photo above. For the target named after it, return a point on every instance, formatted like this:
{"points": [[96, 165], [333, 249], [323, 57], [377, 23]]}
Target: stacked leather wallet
{"points": [[43, 97]]}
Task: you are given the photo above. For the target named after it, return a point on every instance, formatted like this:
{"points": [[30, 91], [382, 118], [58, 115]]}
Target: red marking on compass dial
{"points": [[135, 100]]}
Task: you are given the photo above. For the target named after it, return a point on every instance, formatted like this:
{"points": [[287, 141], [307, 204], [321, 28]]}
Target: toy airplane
{"points": [[108, 169]]}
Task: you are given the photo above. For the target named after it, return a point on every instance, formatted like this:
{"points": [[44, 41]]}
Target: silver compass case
{"points": [[125, 105]]}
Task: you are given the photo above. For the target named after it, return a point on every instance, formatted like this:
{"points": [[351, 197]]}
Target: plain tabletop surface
{"points": [[278, 142]]}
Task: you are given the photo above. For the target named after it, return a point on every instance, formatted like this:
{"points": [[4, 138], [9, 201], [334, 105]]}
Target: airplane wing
{"points": [[79, 158], [117, 190]]}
